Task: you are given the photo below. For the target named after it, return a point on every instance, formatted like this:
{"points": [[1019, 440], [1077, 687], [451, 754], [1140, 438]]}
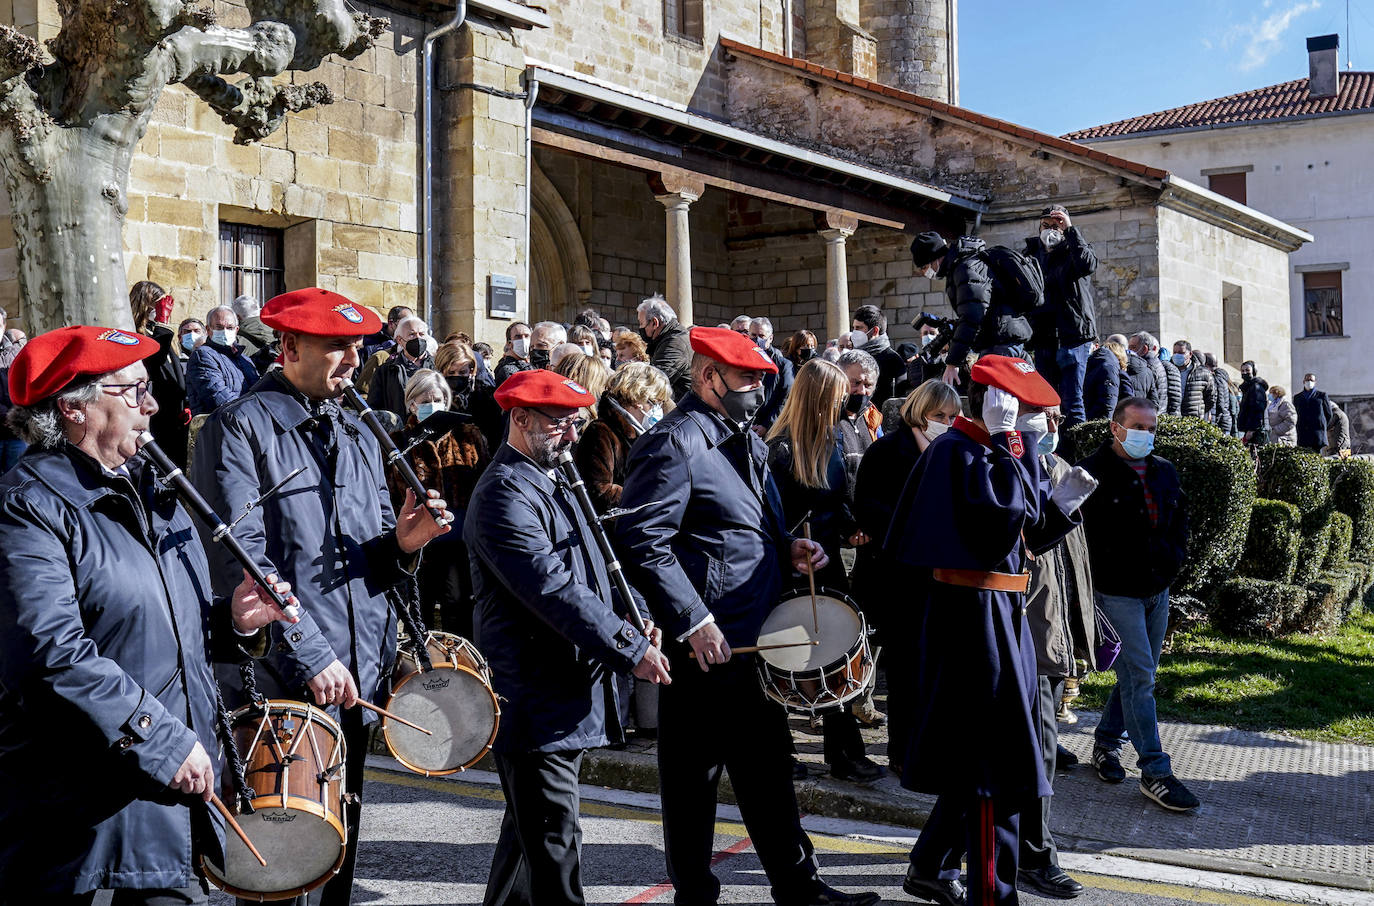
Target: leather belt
{"points": [[988, 581]]}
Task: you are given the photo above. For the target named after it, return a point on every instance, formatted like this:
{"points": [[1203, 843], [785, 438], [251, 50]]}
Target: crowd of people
{"points": [[920, 482]]}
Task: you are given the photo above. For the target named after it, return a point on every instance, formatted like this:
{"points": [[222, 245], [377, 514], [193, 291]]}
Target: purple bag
{"points": [[1108, 642]]}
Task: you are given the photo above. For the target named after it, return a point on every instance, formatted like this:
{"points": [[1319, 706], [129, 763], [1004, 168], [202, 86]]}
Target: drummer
{"points": [[708, 556], [107, 701], [331, 531], [547, 623]]}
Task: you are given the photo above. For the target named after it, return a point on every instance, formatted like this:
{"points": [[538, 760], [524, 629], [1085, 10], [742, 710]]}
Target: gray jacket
{"points": [[1283, 423], [1338, 432], [1059, 605]]}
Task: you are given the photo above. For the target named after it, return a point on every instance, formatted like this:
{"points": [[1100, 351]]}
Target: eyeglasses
{"points": [[140, 389], [561, 425]]}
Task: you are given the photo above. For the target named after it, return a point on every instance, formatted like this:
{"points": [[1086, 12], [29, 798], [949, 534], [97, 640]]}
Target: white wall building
{"points": [[1299, 151]]}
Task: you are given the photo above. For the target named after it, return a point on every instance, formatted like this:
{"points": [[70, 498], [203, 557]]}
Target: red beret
{"points": [[51, 361], [538, 387], [1016, 376], [320, 313], [730, 348]]}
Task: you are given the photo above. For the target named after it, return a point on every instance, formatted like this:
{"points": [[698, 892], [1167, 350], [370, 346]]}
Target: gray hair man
{"points": [[387, 391], [1146, 346], [670, 349], [544, 338], [253, 334], [776, 386]]}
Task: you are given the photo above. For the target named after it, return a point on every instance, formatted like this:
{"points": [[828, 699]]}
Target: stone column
{"points": [[676, 192], [835, 228]]}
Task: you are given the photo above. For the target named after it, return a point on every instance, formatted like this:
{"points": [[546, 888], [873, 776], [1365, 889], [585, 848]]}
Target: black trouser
{"points": [[841, 737], [538, 858], [986, 829], [180, 896], [709, 722], [1037, 843]]}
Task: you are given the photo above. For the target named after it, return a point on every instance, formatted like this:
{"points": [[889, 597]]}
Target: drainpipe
{"points": [[531, 95], [787, 28], [460, 12]]}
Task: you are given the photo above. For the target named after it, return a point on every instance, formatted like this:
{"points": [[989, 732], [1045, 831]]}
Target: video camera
{"points": [[945, 327]]}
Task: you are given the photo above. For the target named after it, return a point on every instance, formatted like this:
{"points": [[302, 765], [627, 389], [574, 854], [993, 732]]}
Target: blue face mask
{"points": [[425, 410], [1138, 444], [652, 417], [1048, 443], [189, 340], [226, 337], [1180, 359]]}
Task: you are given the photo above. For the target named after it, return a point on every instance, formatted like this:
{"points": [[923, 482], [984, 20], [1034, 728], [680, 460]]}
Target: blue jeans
{"points": [[10, 451], [1131, 709], [1065, 368]]}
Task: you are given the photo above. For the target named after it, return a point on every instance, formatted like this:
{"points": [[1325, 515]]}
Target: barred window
{"points": [[251, 262], [1321, 293]]}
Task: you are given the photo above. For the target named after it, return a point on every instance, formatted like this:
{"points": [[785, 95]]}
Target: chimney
{"points": [[1324, 71]]}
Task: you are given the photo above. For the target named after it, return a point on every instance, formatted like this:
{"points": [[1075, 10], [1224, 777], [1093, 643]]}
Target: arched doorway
{"points": [[560, 278]]}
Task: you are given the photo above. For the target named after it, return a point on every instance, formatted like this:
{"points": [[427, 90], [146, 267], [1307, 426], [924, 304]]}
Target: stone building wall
{"points": [[913, 39]]}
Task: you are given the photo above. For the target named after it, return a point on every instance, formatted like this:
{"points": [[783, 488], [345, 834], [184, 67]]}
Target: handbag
{"points": [[1108, 642]]}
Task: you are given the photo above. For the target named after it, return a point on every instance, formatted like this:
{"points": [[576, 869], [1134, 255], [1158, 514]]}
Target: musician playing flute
{"points": [[107, 700], [553, 634], [330, 531], [707, 550]]}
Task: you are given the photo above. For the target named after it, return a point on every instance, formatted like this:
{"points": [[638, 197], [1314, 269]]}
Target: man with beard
{"points": [[546, 623]]}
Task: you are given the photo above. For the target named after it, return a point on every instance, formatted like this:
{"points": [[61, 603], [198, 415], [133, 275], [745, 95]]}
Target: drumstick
{"points": [[811, 576], [385, 713], [234, 826], [750, 649]]}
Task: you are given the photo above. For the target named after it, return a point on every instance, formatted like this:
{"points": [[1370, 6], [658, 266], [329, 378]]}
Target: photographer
{"points": [[1066, 324], [988, 323]]}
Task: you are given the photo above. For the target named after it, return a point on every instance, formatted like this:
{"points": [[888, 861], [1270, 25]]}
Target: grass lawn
{"points": [[1312, 687]]}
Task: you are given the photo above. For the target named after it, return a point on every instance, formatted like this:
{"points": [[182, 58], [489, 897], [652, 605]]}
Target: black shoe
{"points": [[825, 895], [1108, 765], [1050, 881], [1169, 792], [858, 770], [1064, 759], [799, 771], [946, 893]]}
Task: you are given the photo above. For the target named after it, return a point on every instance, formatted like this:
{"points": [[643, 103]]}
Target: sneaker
{"points": [[866, 714], [1169, 792], [858, 770], [1108, 765]]}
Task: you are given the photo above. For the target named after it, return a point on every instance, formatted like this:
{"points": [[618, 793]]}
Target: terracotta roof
{"points": [[847, 80], [1277, 102]]}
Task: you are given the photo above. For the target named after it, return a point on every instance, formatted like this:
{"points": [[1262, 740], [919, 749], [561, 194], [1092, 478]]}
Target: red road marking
{"points": [[658, 890]]}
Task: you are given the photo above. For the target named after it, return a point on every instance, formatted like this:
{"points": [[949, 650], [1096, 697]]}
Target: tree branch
{"points": [[257, 106], [322, 27], [18, 53]]}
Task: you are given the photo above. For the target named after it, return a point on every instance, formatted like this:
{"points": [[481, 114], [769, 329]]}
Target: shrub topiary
{"points": [[1352, 493], [1339, 550], [1257, 608], [1358, 573], [1312, 554], [1299, 477], [1271, 544], [1219, 482], [1325, 608]]}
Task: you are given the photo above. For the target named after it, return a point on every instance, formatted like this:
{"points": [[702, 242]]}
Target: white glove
{"points": [[1036, 423], [1076, 487], [999, 411]]}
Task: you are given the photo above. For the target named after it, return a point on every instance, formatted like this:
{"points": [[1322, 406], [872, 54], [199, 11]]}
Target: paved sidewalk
{"points": [[1272, 806]]}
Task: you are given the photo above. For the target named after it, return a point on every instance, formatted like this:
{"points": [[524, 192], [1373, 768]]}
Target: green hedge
{"points": [[1352, 493], [1326, 602], [1219, 482], [1339, 550], [1299, 477], [1271, 545], [1257, 608], [1312, 553]]}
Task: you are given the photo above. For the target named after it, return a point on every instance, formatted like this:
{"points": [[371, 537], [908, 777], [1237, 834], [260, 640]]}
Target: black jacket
{"points": [[1314, 415], [1130, 556], [1223, 414], [883, 472], [671, 353], [1173, 382], [831, 519], [509, 365], [891, 368], [1101, 383], [1254, 397], [167, 380], [388, 387], [1199, 393], [1068, 316], [984, 321], [776, 386], [1142, 377]]}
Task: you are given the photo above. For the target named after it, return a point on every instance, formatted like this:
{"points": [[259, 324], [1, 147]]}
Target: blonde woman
{"points": [[807, 464], [587, 370], [633, 403]]}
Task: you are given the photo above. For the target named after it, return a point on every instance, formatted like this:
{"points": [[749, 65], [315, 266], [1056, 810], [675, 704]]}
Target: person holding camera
{"points": [[1066, 324]]}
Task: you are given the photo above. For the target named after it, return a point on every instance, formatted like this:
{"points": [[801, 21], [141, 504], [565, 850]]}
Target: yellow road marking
{"points": [[458, 788]]}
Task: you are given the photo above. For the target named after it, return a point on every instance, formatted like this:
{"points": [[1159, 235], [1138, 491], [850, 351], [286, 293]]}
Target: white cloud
{"points": [[1262, 38]]}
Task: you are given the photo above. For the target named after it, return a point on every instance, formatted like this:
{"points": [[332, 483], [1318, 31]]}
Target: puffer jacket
{"points": [[1199, 393], [1254, 393], [1142, 377], [984, 322], [1101, 383], [105, 686], [1224, 415], [1159, 393], [1173, 382], [1283, 422], [1068, 316]]}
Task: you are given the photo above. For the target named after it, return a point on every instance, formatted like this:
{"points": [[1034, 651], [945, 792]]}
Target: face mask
{"points": [[1138, 444], [1245, 375], [935, 429], [760, 342], [806, 354], [1180, 359], [644, 334], [1050, 238], [1047, 444], [740, 405], [225, 337], [458, 383], [520, 346], [415, 347], [858, 338], [588, 350], [855, 402], [1038, 423], [652, 417], [539, 358], [929, 272], [425, 410], [1309, 384], [927, 339], [189, 340]]}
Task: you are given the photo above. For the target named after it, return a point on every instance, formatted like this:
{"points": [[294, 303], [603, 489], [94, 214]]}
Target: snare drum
{"points": [[293, 755], [454, 701], [815, 679]]}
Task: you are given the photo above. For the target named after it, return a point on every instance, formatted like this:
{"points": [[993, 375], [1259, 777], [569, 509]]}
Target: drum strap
{"points": [[242, 793], [404, 597]]}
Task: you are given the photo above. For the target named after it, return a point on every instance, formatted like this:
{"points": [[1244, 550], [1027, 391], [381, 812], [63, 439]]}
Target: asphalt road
{"points": [[429, 841]]}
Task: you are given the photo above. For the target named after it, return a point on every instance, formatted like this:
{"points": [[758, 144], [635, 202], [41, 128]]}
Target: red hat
{"points": [[320, 313], [51, 361], [539, 387], [730, 348], [1017, 377]]}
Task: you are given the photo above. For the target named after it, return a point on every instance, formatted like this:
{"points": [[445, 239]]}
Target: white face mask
{"points": [[520, 346], [926, 339], [589, 350], [928, 272], [858, 338], [934, 429], [1050, 238], [1038, 423], [1309, 384]]}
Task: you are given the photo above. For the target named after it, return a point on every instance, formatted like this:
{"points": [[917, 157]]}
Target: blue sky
{"points": [[1060, 65]]}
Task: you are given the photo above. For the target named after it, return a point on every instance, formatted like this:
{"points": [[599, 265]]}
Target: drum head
{"points": [[456, 706], [791, 622], [301, 849]]}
